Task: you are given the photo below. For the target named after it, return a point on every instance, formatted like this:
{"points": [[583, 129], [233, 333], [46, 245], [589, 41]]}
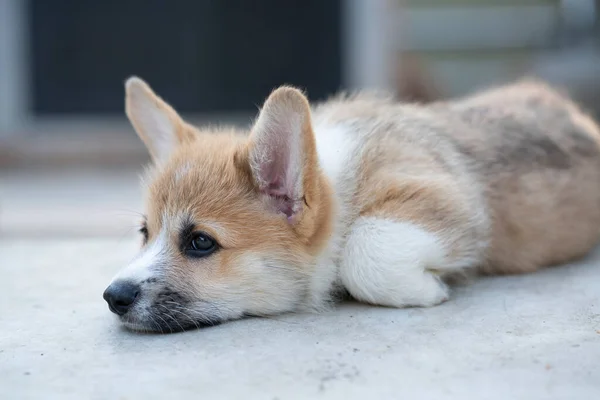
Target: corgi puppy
{"points": [[357, 195]]}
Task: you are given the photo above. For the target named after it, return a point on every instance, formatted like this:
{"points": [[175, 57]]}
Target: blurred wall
{"points": [[63, 62], [464, 45]]}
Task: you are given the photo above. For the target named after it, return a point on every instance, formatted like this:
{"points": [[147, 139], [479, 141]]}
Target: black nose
{"points": [[120, 296]]}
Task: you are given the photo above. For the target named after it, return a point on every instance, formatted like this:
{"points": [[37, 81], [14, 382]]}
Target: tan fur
{"points": [[505, 181], [218, 187], [517, 166], [410, 171], [545, 207]]}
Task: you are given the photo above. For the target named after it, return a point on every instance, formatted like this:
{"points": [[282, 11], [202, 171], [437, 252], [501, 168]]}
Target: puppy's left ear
{"points": [[156, 123], [282, 152]]}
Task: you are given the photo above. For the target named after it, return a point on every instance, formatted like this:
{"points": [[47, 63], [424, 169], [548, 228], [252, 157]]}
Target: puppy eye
{"points": [[201, 245], [144, 231]]}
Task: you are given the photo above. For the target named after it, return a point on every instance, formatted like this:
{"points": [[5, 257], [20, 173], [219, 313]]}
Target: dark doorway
{"points": [[200, 55]]}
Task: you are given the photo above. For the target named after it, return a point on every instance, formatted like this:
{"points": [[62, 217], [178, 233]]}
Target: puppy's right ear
{"points": [[156, 123]]}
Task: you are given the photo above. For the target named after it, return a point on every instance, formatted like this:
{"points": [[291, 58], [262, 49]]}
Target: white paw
{"points": [[420, 290], [429, 290], [385, 263]]}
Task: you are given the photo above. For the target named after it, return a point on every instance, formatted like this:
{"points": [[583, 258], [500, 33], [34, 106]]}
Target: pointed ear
{"points": [[282, 151], [156, 123]]}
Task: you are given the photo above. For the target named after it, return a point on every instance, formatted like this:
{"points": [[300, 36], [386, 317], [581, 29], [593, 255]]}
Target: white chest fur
{"points": [[336, 149]]}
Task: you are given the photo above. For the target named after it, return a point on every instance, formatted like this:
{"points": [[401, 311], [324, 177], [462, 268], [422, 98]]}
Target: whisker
{"points": [[127, 232], [169, 310], [173, 318], [128, 212], [181, 308], [188, 315], [166, 324], [193, 321], [215, 310], [157, 324]]}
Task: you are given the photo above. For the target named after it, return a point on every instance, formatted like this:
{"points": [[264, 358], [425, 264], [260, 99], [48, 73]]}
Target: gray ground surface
{"points": [[528, 337]]}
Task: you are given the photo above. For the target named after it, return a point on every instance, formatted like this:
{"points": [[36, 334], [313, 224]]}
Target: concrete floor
{"points": [[63, 234], [528, 337]]}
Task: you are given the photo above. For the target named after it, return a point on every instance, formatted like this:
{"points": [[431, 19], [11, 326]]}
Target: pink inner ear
{"points": [[277, 181], [280, 194]]}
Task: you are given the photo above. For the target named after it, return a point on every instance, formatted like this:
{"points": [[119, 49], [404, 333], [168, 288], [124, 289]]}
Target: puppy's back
{"points": [[538, 156]]}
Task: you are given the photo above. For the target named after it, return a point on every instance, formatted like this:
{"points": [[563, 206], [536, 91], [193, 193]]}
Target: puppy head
{"points": [[234, 223]]}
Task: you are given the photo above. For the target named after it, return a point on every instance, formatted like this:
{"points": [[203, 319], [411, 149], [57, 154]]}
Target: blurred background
{"points": [[69, 160]]}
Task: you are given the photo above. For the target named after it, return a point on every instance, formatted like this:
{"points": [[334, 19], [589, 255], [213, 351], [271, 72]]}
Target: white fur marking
{"points": [[336, 151], [334, 147], [144, 265], [389, 263]]}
